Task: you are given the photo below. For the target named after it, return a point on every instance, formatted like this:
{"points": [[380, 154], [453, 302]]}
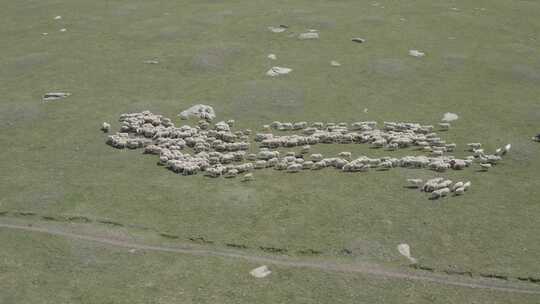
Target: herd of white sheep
{"points": [[216, 150], [440, 187]]}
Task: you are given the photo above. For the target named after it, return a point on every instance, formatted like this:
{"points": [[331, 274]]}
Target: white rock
{"points": [[199, 110], [260, 272], [277, 29], [416, 53], [57, 17], [308, 35], [272, 56], [276, 71], [55, 96], [405, 250], [335, 63], [63, 30], [151, 61], [449, 117]]}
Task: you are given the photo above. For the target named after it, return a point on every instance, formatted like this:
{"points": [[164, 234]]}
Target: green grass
{"points": [[43, 269], [54, 161]]}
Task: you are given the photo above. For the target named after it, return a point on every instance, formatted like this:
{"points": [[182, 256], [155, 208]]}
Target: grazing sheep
{"points": [[506, 149], [440, 193], [248, 177], [305, 149], [260, 164], [414, 182], [316, 157], [474, 146], [105, 127], [466, 186], [485, 167], [294, 168], [346, 155], [307, 165], [457, 186], [459, 191], [231, 173], [459, 164], [230, 122], [536, 138], [444, 126]]}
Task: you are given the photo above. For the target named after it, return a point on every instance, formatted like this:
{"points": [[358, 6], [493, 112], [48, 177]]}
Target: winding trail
{"points": [[370, 269]]}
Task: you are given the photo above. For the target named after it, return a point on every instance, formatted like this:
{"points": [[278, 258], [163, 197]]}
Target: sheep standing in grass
{"points": [[485, 167], [248, 177], [444, 126], [414, 182], [105, 127]]}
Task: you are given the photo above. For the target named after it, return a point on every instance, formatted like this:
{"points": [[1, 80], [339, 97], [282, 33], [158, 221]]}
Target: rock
{"points": [[335, 63], [151, 61], [277, 29], [272, 56], [447, 117], [308, 36], [405, 250], [276, 71], [57, 17], [55, 96], [199, 110], [63, 30], [260, 272], [416, 53], [358, 40]]}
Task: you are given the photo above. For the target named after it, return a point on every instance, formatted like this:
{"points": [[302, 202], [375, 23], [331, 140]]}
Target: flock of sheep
{"points": [[215, 149], [439, 186]]}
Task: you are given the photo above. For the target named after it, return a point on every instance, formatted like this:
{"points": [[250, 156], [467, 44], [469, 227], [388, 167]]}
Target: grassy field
{"points": [[43, 269], [481, 62]]}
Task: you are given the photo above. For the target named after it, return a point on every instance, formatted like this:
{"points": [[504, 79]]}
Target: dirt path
{"points": [[371, 269]]}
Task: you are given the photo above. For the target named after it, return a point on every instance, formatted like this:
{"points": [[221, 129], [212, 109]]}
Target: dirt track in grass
{"points": [[364, 268]]}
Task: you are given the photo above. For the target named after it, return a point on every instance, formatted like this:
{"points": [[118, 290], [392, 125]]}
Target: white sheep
{"points": [[346, 155], [459, 191], [105, 127], [248, 177], [457, 186], [414, 182], [316, 157], [444, 126], [231, 173], [474, 146], [294, 168], [485, 167], [467, 185]]}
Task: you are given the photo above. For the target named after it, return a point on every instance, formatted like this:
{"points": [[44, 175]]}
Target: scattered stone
{"points": [[358, 40], [276, 71], [405, 250], [272, 56], [199, 110], [260, 272], [44, 34], [277, 29], [57, 17], [417, 53], [151, 61], [447, 117], [63, 30], [335, 63], [308, 36], [55, 96]]}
